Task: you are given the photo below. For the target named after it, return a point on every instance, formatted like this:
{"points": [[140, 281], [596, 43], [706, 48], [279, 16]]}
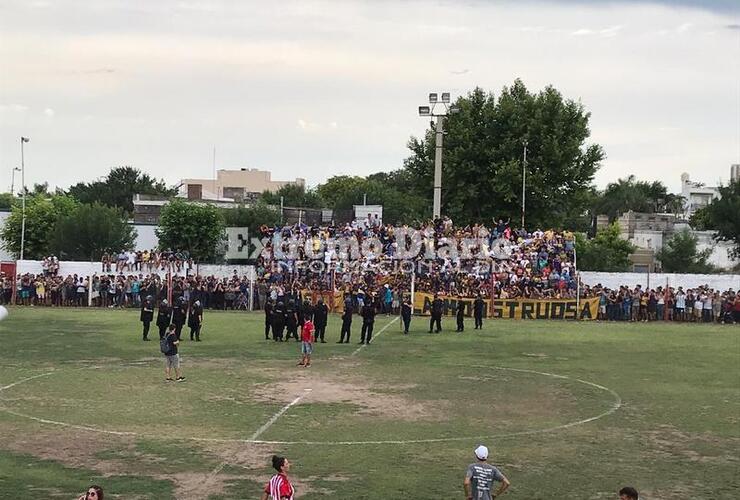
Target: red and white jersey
{"points": [[279, 488]]}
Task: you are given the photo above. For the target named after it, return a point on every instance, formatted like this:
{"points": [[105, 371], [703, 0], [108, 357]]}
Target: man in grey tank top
{"points": [[480, 476]]}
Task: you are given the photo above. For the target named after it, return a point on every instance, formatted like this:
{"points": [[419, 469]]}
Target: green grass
{"points": [[676, 435]]}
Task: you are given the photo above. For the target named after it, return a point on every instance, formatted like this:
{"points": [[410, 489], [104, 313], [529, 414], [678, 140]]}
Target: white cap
{"points": [[481, 452]]}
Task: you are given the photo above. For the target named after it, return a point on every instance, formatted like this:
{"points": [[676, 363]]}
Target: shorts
{"points": [[602, 309], [172, 361], [306, 347]]}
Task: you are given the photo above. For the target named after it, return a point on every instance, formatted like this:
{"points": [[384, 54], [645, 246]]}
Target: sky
{"points": [[319, 88]]}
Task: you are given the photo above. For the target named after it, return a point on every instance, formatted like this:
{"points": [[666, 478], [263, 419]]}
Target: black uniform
{"points": [[346, 321], [291, 321], [164, 318], [268, 319], [147, 315], [306, 312], [478, 307], [179, 314], [320, 318], [406, 315], [195, 321], [436, 319], [368, 322], [460, 315], [278, 322]]}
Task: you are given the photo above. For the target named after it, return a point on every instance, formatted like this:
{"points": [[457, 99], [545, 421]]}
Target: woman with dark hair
{"points": [[94, 492], [279, 487]]}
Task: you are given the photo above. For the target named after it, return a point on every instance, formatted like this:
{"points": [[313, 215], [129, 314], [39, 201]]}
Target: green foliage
{"points": [[41, 216], [118, 188], [607, 251], [723, 215], [482, 172], [700, 220], [387, 189], [6, 201], [251, 216], [680, 255], [197, 228], [293, 195], [638, 196], [88, 231]]}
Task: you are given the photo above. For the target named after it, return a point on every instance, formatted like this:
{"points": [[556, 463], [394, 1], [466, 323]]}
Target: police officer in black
{"points": [[179, 314], [164, 317], [320, 318], [346, 320], [368, 321], [268, 318], [147, 314], [306, 312], [406, 310], [460, 315], [478, 307], [436, 319], [195, 320], [278, 321], [291, 321]]}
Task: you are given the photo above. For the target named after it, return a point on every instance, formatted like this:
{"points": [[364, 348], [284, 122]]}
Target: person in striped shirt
{"points": [[279, 487]]}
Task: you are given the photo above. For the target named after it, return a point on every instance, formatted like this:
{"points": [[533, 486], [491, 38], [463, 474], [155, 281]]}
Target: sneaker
{"points": [[307, 366], [181, 379], [168, 380]]}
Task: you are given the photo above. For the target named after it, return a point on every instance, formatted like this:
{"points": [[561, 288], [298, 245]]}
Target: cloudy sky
{"points": [[317, 88]]}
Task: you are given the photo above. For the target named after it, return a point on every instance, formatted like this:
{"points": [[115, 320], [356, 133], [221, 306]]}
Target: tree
{"points": [[90, 230], [680, 255], [294, 195], [399, 206], [607, 251], [639, 196], [482, 174], [118, 188], [723, 215], [41, 215], [251, 216], [6, 201], [197, 228]]}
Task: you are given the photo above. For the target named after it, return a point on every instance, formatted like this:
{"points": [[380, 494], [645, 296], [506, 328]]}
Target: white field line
{"points": [[375, 336], [616, 404], [260, 431]]}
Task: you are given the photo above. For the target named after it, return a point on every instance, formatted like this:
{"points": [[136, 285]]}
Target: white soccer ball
{"points": [[3, 313]]}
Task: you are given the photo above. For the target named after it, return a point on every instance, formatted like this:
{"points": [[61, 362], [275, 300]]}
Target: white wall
{"points": [[90, 268], [4, 255], [615, 280], [146, 239]]}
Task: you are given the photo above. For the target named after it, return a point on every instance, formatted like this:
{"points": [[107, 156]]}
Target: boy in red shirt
{"points": [[306, 343]]}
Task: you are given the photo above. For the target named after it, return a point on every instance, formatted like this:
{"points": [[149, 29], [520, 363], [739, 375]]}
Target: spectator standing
{"points": [[307, 332], [481, 476], [628, 493], [94, 492], [172, 358]]}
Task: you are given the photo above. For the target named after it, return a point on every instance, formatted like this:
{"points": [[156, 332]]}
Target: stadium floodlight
{"points": [[433, 97], [425, 111], [438, 125], [445, 97]]}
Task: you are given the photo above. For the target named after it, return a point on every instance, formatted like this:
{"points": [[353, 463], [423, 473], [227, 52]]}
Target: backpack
{"points": [[164, 346]]}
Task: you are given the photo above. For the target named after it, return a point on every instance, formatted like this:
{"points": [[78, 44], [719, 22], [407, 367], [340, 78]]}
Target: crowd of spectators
{"points": [[505, 263]]}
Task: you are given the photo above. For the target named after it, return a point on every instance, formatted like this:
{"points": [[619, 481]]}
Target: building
{"points": [[696, 194], [735, 172], [245, 184]]}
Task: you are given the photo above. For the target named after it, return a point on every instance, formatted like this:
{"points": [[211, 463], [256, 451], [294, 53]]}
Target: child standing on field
{"points": [[306, 343]]}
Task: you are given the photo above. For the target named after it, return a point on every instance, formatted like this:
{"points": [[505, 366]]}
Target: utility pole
{"points": [[438, 139], [23, 203], [524, 182]]}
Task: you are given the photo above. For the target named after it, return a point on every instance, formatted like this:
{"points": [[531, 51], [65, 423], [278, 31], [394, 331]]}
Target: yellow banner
{"points": [[512, 308]]}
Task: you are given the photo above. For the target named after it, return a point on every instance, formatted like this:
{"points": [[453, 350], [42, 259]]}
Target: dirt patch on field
{"points": [[372, 400], [669, 442]]}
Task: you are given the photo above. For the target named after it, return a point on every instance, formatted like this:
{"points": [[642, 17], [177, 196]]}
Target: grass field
{"points": [[568, 410]]}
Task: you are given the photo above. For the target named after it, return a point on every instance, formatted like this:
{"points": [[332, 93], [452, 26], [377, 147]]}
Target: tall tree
{"points": [[607, 251], [197, 228], [6, 201], [42, 213], [252, 216], [482, 173], [723, 215], [118, 188], [89, 230], [681, 255]]}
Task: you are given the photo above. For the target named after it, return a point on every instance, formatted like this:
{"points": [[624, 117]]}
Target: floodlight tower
{"points": [[440, 115]]}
